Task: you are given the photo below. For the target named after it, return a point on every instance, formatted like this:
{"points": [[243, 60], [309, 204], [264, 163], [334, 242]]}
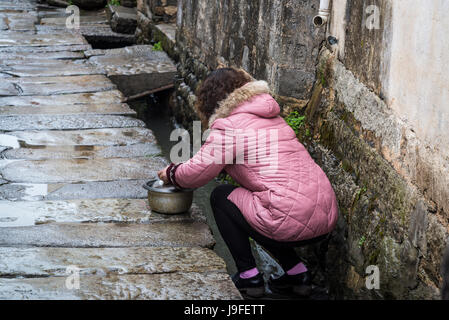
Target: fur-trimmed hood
{"points": [[237, 97]]}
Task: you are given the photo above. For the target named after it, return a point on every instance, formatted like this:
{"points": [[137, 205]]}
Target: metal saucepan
{"points": [[168, 199]]}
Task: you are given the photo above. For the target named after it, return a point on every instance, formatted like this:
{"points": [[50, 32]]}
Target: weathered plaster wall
{"points": [[404, 63], [273, 40], [397, 100]]}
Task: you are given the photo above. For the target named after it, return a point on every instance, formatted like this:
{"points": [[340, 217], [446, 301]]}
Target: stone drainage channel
{"points": [[74, 221]]}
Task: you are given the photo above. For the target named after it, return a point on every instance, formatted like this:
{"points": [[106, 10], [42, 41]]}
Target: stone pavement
{"points": [[73, 159]]}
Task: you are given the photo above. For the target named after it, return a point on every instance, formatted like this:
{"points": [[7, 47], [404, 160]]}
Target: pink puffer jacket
{"points": [[284, 194]]}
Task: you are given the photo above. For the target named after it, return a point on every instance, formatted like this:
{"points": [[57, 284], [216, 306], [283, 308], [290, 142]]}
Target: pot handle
{"points": [[147, 185]]}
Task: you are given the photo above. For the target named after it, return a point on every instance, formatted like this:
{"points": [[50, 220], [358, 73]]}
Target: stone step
{"points": [[92, 235], [97, 34], [82, 152], [69, 109], [20, 40], [69, 191], [179, 285], [47, 68], [67, 122], [53, 262], [19, 56], [43, 49], [84, 20], [122, 19], [30, 213], [23, 21], [54, 85], [16, 6], [135, 69], [80, 170], [102, 97], [93, 137], [164, 33]]}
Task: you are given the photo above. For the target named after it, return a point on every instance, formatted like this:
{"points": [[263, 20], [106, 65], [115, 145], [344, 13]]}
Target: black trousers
{"points": [[235, 231]]}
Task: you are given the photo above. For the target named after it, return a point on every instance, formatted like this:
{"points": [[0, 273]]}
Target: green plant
{"points": [[362, 241], [114, 2], [295, 121], [157, 46], [308, 134]]}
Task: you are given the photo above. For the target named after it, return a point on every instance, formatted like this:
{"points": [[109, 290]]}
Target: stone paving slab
{"points": [[68, 191], [82, 152], [168, 29], [93, 137], [18, 56], [28, 86], [30, 213], [122, 19], [135, 69], [67, 122], [85, 235], [80, 170], [84, 20], [43, 49], [102, 97], [20, 40], [70, 109], [46, 68], [18, 21], [179, 285], [125, 60], [46, 262]]}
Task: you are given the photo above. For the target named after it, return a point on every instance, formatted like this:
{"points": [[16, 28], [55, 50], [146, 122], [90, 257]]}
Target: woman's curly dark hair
{"points": [[217, 86]]}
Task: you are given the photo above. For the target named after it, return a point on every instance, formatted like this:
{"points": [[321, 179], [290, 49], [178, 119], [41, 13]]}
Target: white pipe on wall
{"points": [[323, 14]]}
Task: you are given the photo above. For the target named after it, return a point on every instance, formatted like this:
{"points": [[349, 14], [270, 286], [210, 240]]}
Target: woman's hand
{"points": [[162, 174]]}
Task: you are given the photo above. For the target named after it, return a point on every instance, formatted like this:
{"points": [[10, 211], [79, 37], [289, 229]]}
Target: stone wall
{"points": [[390, 177]]}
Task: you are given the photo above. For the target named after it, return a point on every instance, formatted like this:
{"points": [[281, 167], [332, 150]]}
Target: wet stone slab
{"points": [[84, 20], [18, 21], [46, 68], [29, 213], [83, 152], [19, 40], [46, 262], [67, 122], [169, 30], [68, 191], [71, 109], [80, 170], [43, 49], [135, 69], [103, 97], [63, 55], [54, 85], [94, 137], [170, 286], [85, 235]]}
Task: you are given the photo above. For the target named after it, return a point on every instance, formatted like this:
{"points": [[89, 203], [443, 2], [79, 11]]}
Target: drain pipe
{"points": [[323, 14]]}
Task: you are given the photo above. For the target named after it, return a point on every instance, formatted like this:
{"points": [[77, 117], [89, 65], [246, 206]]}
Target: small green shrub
{"points": [[362, 241], [295, 121], [114, 2], [157, 46]]}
